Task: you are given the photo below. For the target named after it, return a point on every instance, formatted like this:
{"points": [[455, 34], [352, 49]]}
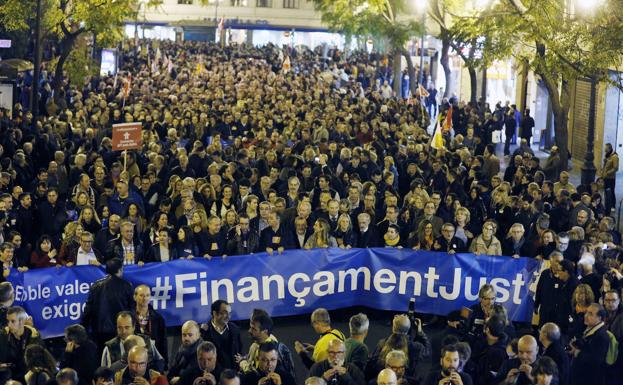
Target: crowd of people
{"points": [[240, 156]]}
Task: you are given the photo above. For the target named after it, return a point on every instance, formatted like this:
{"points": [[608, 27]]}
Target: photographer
{"points": [[418, 346], [469, 322], [267, 371], [490, 351], [517, 371], [333, 370], [449, 373]]}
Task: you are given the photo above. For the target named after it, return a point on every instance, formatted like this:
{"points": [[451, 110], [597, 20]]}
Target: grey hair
{"points": [[321, 315], [358, 324], [552, 331], [315, 381], [396, 355]]}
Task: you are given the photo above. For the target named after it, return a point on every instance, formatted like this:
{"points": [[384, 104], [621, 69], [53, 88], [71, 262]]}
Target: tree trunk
{"points": [[473, 83], [561, 104], [397, 73], [445, 63], [348, 39], [66, 46], [411, 70]]}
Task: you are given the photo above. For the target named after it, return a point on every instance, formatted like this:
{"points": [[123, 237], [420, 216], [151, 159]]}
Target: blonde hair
{"points": [[588, 294], [465, 212]]}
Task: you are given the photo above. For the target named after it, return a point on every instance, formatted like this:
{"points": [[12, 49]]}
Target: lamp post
{"points": [[37, 68], [421, 6], [588, 8], [588, 168]]}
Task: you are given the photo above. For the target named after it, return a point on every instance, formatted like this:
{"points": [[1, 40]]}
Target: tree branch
{"points": [[519, 6]]}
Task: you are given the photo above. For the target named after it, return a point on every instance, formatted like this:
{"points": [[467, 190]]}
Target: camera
{"points": [[411, 311]]}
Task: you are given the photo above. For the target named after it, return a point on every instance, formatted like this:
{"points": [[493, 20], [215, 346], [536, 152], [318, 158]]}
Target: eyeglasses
{"points": [[335, 353]]}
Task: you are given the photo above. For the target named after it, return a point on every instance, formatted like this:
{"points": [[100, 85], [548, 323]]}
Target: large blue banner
{"points": [[295, 282]]}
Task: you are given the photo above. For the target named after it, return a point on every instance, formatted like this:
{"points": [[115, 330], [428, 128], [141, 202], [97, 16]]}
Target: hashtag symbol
{"points": [[160, 293]]}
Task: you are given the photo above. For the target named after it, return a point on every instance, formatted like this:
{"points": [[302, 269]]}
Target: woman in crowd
{"points": [[134, 214], [159, 221], [230, 221], [71, 243], [582, 297], [44, 255], [89, 220], [344, 234], [462, 223], [227, 202], [40, 365], [185, 245], [321, 237], [424, 238], [486, 242]]}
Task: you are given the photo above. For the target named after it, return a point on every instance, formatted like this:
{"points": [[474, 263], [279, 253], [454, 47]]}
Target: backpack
{"points": [[613, 349]]}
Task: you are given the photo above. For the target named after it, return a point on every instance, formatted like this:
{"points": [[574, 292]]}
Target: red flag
{"points": [[447, 124]]}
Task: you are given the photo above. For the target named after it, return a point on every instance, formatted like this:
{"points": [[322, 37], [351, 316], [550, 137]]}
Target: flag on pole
{"points": [[199, 68], [280, 57], [437, 141], [127, 83], [169, 66], [286, 64], [422, 91], [447, 124], [114, 83], [125, 89]]}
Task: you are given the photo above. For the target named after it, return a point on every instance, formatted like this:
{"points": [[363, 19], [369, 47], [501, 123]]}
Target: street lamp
{"points": [[216, 22], [421, 8], [589, 8], [37, 70]]}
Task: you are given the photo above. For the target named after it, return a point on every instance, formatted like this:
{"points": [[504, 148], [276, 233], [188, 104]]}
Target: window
{"points": [[238, 3], [290, 4], [264, 3], [185, 2]]}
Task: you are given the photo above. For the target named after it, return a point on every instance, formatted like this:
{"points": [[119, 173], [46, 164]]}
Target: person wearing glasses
{"points": [[470, 321], [136, 372], [447, 242], [396, 361], [486, 243], [268, 371], [334, 370], [85, 254]]}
